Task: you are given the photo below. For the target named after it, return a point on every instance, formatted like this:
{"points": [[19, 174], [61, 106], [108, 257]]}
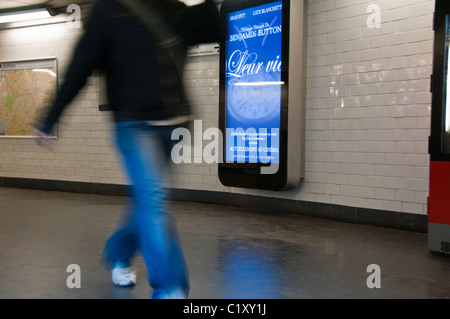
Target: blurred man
{"points": [[147, 98]]}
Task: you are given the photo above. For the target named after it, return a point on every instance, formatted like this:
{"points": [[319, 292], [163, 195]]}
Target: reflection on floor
{"points": [[231, 252]]}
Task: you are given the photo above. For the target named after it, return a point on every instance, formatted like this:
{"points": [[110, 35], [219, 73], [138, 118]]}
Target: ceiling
{"points": [[8, 4]]}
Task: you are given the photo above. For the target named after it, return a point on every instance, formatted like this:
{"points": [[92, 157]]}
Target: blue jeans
{"points": [[147, 225]]}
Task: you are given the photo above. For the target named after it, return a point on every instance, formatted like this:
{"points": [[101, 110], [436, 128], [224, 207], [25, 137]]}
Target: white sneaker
{"points": [[124, 277]]}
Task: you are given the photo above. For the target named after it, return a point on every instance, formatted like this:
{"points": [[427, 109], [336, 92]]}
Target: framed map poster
{"points": [[27, 89]]}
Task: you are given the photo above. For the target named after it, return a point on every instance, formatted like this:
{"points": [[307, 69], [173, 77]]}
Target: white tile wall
{"points": [[368, 102], [83, 151], [367, 110]]}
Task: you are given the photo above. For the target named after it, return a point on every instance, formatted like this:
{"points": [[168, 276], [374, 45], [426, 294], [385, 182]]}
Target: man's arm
{"points": [[87, 55]]}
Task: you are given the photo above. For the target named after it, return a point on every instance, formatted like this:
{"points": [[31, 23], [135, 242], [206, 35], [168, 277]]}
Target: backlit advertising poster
{"points": [[253, 84]]}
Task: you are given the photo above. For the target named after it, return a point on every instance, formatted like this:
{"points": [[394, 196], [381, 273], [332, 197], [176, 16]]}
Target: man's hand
{"points": [[44, 139]]}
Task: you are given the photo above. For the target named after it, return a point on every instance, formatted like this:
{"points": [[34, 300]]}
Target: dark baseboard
{"points": [[356, 215], [64, 186]]}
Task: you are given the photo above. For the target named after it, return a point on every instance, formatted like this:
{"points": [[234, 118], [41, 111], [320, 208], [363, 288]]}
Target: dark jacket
{"points": [[118, 42]]}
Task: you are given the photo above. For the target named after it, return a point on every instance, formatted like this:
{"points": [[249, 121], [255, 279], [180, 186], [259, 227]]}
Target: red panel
{"points": [[439, 199]]}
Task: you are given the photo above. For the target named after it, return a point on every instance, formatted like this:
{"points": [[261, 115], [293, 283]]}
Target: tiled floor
{"points": [[231, 252]]}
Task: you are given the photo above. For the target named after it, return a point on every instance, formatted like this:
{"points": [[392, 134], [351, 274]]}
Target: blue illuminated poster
{"points": [[253, 84]]}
